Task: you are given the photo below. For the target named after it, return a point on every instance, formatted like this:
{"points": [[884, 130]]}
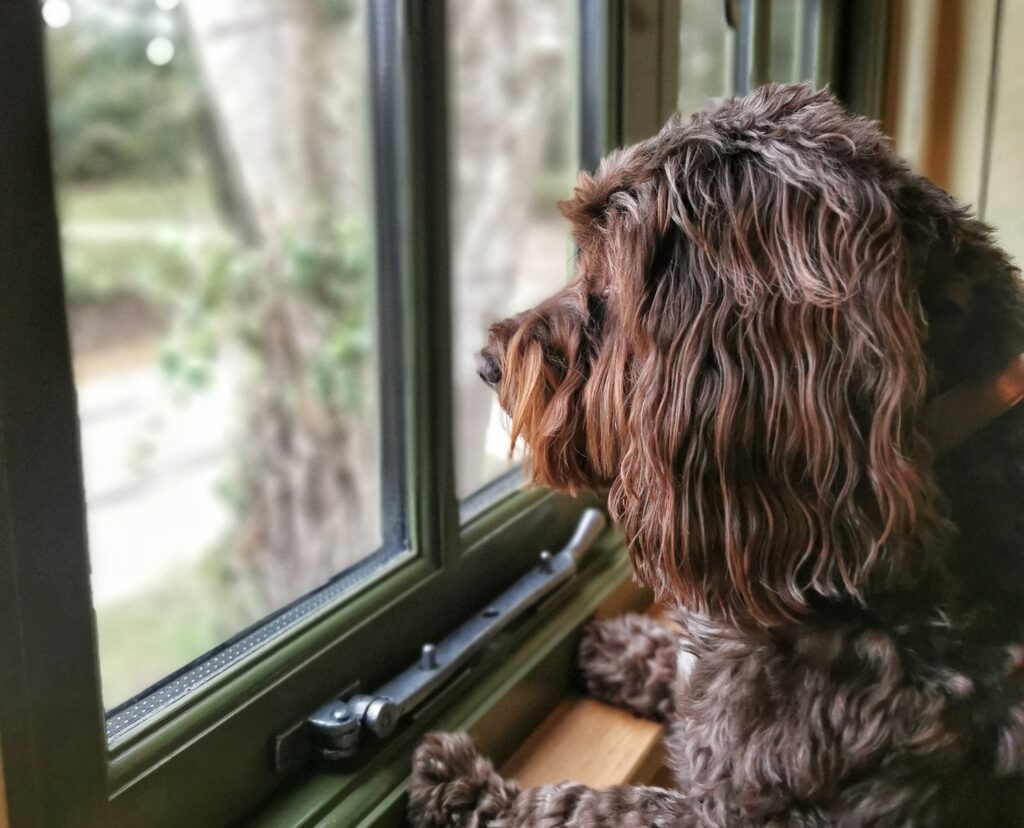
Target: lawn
{"points": [[147, 636], [174, 200], [132, 237]]}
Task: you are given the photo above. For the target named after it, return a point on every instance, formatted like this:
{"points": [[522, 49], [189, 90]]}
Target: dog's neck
{"points": [[970, 406]]}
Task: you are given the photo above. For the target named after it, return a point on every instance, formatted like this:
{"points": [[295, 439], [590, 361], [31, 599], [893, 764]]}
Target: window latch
{"points": [[335, 730]]}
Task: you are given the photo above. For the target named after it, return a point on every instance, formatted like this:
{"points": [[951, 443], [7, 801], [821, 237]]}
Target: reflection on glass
{"points": [[514, 156], [705, 49], [210, 159]]}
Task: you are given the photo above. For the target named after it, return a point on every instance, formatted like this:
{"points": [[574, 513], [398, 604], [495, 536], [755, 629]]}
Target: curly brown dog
{"points": [[767, 302]]}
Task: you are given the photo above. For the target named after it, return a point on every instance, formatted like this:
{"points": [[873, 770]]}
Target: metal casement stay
{"points": [[336, 730]]}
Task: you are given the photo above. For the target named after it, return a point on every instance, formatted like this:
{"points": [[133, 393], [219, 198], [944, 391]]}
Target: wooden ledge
{"points": [[585, 741]]}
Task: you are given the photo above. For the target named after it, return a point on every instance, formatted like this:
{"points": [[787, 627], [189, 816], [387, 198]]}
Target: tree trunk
{"points": [[284, 78]]}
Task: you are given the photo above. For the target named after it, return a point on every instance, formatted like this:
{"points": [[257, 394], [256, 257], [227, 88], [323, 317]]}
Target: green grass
{"points": [[97, 270], [147, 636], [135, 200], [119, 237]]}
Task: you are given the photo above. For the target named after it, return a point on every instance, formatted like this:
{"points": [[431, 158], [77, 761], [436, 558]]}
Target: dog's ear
{"points": [[774, 450]]}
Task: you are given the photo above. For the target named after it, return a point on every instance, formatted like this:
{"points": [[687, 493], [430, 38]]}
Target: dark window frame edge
{"points": [[46, 732]]}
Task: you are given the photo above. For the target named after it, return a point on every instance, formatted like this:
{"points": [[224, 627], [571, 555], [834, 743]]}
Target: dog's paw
{"points": [[453, 785], [630, 662]]}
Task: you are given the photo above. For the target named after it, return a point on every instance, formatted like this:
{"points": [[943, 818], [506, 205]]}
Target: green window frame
{"points": [[206, 759]]}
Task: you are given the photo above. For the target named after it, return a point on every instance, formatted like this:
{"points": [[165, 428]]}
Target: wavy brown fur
{"points": [[765, 300], [631, 662]]}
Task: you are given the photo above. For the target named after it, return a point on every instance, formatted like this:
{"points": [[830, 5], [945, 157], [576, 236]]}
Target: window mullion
{"points": [[434, 515], [51, 715], [649, 66], [861, 70], [391, 227]]}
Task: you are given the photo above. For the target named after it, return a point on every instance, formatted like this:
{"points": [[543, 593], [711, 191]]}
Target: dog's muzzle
{"points": [[488, 369]]}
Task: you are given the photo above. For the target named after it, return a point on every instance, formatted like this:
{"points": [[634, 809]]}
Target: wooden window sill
{"points": [[583, 740]]}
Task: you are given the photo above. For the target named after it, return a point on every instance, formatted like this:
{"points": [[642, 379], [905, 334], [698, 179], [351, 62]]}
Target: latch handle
{"points": [[336, 727], [588, 530]]}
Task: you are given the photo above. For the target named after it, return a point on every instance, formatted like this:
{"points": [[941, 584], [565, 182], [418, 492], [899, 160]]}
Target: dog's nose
{"points": [[488, 369]]}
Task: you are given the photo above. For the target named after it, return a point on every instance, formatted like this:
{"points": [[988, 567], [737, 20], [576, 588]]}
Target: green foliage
{"points": [[331, 273], [340, 11], [149, 257], [96, 271], [326, 286], [113, 113]]}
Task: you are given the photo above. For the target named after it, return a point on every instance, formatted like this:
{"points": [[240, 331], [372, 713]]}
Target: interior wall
{"points": [[971, 100], [952, 109], [911, 55], [1004, 202]]}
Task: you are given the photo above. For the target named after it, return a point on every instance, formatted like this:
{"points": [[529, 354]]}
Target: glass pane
{"points": [[705, 54], [783, 63], [514, 106], [211, 161]]}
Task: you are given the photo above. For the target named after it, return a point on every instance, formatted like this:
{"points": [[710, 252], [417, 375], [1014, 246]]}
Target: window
{"points": [[240, 364], [1005, 164], [217, 237], [954, 110], [705, 54], [259, 268], [786, 23]]}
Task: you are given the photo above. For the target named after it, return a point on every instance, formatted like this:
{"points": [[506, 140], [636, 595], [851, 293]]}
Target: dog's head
{"points": [[765, 298]]}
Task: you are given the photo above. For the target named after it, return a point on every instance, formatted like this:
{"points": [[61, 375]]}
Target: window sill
{"points": [[585, 741], [500, 703]]}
